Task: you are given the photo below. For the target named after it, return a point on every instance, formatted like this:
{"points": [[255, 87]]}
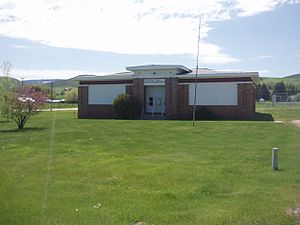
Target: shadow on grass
{"points": [[22, 130], [263, 117], [4, 121], [257, 117]]}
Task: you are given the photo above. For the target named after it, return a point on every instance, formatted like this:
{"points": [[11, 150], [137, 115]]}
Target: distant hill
{"points": [[292, 79], [295, 76], [15, 81], [58, 83], [41, 81], [65, 83]]}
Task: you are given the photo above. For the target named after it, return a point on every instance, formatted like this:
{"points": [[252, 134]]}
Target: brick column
{"points": [[82, 101], [246, 100], [138, 90], [184, 111], [171, 89]]}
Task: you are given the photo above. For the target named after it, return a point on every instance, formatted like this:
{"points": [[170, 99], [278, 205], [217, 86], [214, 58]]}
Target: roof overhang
{"points": [[180, 68], [221, 74], [182, 73]]}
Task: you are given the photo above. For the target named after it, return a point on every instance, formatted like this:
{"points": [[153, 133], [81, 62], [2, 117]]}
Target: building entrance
{"points": [[155, 99]]}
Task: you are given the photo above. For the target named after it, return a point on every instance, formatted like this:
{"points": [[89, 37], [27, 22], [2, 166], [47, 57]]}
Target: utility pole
{"points": [[197, 68], [51, 90]]}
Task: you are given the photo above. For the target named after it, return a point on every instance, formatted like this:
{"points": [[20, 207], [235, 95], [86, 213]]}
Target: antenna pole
{"points": [[197, 68]]}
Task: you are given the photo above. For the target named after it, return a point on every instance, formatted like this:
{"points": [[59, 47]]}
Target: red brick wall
{"points": [[138, 90], [246, 100], [183, 102], [177, 101], [171, 96], [100, 111], [244, 110], [82, 101], [94, 111]]}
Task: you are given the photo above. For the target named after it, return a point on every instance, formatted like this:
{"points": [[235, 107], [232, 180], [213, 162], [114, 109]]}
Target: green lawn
{"points": [[60, 168], [61, 105], [284, 112]]}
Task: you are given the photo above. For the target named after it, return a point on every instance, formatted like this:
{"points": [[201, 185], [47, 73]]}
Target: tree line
{"points": [[266, 89]]}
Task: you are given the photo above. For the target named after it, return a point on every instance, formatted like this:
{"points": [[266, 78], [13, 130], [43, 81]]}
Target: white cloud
{"points": [[127, 26], [264, 73], [28, 74], [212, 54], [261, 57], [20, 46], [250, 8]]}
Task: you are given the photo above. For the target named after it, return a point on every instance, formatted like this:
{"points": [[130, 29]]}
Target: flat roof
{"points": [[180, 68], [184, 73]]}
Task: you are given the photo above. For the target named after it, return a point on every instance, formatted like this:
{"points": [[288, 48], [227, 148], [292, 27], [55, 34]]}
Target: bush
{"points": [[71, 96], [297, 97], [126, 107], [204, 113]]}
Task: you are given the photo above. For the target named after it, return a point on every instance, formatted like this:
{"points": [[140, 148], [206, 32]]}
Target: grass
{"points": [[284, 112], [61, 105], [147, 172]]}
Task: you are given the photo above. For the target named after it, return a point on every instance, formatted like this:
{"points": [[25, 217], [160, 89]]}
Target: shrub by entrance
{"points": [[126, 107]]}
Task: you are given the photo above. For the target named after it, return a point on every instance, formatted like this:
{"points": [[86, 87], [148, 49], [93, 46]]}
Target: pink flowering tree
{"points": [[24, 102]]}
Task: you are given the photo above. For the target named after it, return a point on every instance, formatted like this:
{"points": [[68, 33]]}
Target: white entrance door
{"points": [[155, 99]]}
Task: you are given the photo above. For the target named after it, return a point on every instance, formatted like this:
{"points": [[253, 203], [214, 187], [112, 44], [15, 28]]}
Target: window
{"points": [[104, 93], [225, 93], [150, 101]]}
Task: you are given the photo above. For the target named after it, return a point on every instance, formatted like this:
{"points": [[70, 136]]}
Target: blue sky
{"points": [[62, 39]]}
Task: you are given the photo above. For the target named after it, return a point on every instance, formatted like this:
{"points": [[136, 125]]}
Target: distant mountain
{"points": [[42, 81], [295, 76], [15, 81], [56, 82], [292, 79], [65, 83]]}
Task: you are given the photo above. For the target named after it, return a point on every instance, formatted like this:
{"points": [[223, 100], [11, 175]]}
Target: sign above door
{"points": [[154, 81]]}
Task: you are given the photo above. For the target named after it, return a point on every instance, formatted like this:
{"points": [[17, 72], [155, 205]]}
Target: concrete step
{"points": [[155, 116]]}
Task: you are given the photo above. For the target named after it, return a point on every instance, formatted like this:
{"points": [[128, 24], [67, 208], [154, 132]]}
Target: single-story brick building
{"points": [[168, 91]]}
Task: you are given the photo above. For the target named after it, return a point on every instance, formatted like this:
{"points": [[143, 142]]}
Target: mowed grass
{"points": [[60, 169], [283, 112]]}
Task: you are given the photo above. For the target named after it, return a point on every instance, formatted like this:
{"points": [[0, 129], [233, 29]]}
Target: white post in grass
{"points": [[275, 158]]}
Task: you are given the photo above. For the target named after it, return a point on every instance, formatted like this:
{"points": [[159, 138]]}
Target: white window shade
{"points": [[214, 94], [104, 94]]}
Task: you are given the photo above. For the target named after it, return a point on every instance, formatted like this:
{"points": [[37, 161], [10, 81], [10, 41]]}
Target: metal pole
{"points": [[51, 105], [197, 67], [275, 158]]}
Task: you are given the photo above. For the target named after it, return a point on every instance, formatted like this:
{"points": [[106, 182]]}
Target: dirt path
{"points": [[296, 123]]}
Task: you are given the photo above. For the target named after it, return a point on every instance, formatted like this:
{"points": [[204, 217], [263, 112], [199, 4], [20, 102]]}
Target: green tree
{"points": [[265, 92], [291, 89], [6, 86], [279, 87], [71, 96], [41, 88], [262, 91], [258, 92], [297, 97]]}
